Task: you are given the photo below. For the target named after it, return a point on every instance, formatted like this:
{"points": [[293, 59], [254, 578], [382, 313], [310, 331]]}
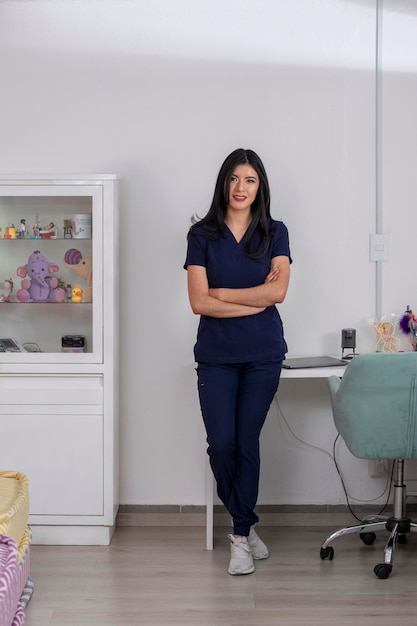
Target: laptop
{"points": [[312, 361]]}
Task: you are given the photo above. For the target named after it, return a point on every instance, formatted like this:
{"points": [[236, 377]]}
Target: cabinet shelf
{"points": [[48, 302], [44, 239]]}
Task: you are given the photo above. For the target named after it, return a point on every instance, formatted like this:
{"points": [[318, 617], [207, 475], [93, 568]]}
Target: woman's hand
{"points": [[272, 276]]}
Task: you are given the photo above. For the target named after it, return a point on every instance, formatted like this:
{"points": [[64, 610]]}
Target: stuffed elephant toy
{"points": [[39, 286]]}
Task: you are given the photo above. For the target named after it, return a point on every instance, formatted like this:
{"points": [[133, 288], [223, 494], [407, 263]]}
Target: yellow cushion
{"points": [[14, 504]]}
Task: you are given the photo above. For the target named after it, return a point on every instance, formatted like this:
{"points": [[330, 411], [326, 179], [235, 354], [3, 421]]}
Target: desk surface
{"points": [[314, 372]]}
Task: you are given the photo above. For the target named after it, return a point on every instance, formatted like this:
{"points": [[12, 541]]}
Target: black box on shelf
{"points": [[73, 343]]}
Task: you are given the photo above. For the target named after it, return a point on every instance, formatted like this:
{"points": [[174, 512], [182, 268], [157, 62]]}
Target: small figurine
{"points": [[67, 229], [36, 228], [6, 289], [22, 231], [77, 294], [49, 231]]}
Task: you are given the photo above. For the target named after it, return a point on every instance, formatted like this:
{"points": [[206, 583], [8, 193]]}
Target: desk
{"points": [[300, 374]]}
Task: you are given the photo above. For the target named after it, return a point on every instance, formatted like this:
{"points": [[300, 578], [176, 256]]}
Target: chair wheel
{"points": [[368, 538], [327, 553], [402, 539], [383, 570]]}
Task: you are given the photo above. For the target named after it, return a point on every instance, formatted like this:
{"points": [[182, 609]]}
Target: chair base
{"points": [[398, 525]]}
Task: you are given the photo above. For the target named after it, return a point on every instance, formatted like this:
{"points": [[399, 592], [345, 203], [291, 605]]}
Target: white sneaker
{"points": [[241, 561], [257, 546]]}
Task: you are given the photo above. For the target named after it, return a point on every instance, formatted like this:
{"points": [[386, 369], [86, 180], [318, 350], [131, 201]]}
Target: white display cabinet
{"points": [[59, 405]]}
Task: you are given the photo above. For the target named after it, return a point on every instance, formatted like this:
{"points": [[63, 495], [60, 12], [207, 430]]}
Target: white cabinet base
{"points": [[71, 535]]}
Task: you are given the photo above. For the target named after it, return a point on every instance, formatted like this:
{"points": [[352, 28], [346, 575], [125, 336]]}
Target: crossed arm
{"points": [[223, 302]]}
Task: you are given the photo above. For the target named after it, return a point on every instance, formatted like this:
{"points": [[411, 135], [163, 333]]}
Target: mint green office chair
{"points": [[375, 411]]}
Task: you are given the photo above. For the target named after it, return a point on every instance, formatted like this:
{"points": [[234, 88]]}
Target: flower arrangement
{"points": [[385, 331], [408, 325]]}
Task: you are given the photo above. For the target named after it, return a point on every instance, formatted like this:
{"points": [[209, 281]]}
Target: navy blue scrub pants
{"points": [[234, 400]]}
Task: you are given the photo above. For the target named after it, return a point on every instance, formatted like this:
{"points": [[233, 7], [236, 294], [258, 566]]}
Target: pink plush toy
{"points": [[40, 286]]}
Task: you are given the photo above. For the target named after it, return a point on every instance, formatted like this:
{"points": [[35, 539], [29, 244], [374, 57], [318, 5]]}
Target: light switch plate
{"points": [[378, 247]]}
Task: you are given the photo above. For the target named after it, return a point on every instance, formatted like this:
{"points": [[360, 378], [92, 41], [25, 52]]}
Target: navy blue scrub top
{"points": [[238, 339]]}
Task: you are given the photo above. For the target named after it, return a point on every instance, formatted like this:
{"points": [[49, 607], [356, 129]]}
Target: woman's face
{"points": [[243, 187]]}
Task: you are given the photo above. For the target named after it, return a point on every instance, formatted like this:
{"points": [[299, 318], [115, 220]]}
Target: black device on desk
{"points": [[348, 341], [312, 361], [10, 345]]}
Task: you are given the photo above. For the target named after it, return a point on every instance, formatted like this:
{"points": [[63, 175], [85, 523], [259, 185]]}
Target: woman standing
{"points": [[238, 264]]}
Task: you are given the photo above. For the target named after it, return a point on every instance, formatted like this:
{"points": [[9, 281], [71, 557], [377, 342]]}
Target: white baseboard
{"points": [[71, 535]]}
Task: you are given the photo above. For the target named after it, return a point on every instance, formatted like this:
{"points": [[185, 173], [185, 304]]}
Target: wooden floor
{"points": [[163, 576]]}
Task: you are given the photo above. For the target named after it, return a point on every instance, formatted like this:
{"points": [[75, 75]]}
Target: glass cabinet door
{"points": [[51, 273]]}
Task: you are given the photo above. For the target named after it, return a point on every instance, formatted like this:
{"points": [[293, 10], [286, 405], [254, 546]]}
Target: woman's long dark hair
{"points": [[255, 247]]}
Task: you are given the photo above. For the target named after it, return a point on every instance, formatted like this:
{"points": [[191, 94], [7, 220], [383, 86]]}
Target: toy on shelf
{"points": [[6, 289], [36, 228], [10, 232], [77, 294], [40, 286], [48, 231], [67, 229], [83, 266], [385, 328], [21, 233], [408, 324]]}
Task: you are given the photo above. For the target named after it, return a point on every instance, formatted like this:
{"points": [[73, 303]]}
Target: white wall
{"points": [[159, 92]]}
